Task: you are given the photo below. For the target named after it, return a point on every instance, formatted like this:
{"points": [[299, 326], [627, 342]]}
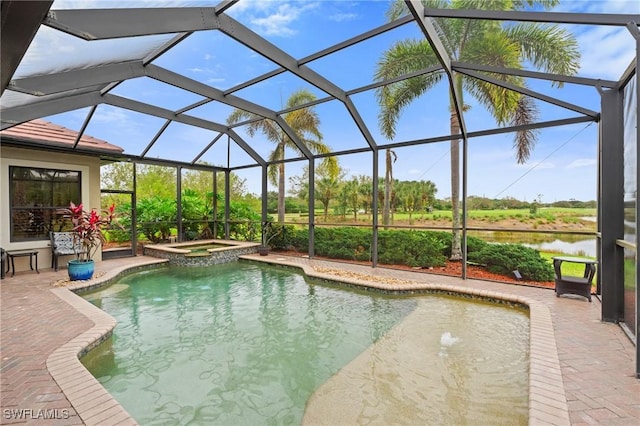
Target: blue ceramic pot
{"points": [[80, 269]]}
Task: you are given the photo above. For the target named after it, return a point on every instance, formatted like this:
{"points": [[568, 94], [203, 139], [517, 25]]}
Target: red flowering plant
{"points": [[87, 228]]}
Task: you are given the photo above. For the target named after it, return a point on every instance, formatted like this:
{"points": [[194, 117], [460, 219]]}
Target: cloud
{"points": [[606, 52], [197, 69], [273, 18], [109, 114], [278, 23], [343, 17], [414, 172], [252, 5], [581, 162], [208, 56], [205, 72]]}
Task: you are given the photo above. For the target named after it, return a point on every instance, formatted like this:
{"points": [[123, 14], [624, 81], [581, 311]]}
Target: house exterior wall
{"points": [[90, 190]]}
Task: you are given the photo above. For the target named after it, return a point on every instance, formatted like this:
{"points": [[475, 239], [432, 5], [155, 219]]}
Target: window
{"points": [[36, 195]]}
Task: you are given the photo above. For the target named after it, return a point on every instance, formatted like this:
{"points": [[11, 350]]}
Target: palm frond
{"points": [[394, 98], [399, 8], [402, 58], [525, 140], [332, 167], [545, 4], [549, 47], [497, 50], [396, 10], [300, 97], [239, 115], [269, 128], [304, 121]]}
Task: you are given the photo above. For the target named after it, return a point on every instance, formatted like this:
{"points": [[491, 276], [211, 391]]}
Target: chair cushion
{"points": [[63, 243]]}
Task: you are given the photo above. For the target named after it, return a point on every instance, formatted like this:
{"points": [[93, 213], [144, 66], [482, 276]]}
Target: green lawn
{"points": [[568, 268], [546, 214]]}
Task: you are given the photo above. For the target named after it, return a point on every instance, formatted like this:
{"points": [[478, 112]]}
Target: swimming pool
{"points": [[243, 343]]}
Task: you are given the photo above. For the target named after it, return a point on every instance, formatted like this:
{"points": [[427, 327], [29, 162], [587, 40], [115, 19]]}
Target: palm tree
{"points": [[304, 122], [391, 158], [548, 47], [365, 189], [328, 185], [350, 195]]}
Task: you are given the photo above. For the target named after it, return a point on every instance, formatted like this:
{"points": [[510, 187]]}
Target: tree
{"points": [[415, 195], [304, 122], [118, 175], [391, 158], [350, 196], [548, 47], [198, 180], [299, 185], [155, 180], [366, 192], [327, 186], [197, 213]]}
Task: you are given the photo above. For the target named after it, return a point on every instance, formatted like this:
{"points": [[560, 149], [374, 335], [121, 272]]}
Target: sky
{"points": [[562, 165]]}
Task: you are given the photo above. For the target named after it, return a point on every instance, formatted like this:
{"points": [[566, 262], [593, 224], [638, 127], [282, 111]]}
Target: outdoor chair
{"points": [[62, 244], [3, 262]]}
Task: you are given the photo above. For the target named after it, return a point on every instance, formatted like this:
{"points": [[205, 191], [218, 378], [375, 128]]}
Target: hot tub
{"points": [[201, 253]]}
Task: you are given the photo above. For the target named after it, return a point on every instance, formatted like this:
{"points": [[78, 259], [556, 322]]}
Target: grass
{"points": [[544, 215], [550, 213], [568, 268]]}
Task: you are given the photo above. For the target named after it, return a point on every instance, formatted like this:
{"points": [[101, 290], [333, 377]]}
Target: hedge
{"points": [[414, 248]]}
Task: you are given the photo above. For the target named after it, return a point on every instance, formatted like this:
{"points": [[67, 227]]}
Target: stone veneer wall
{"points": [[216, 257]]}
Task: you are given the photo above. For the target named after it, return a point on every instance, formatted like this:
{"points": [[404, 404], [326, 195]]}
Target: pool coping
{"points": [[95, 406], [176, 247]]}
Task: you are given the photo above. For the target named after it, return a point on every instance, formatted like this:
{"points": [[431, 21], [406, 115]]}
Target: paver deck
{"points": [[43, 328]]}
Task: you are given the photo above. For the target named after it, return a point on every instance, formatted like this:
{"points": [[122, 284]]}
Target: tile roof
{"points": [[42, 132]]}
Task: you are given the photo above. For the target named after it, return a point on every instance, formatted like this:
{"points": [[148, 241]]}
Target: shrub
{"points": [[156, 216], [473, 244], [123, 232], [413, 248], [343, 243], [506, 258]]}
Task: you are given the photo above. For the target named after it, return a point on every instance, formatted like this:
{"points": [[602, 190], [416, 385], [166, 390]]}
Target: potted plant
{"points": [[268, 234], [87, 238]]}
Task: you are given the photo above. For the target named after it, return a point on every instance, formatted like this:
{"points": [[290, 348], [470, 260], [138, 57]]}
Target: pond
{"points": [[570, 244]]}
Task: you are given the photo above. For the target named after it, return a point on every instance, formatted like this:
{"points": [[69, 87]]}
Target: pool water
{"points": [[247, 344]]}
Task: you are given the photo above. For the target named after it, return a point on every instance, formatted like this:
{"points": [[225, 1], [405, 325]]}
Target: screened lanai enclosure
{"points": [[454, 103]]}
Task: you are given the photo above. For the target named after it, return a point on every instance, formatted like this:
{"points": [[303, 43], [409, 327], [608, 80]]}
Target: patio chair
{"points": [[3, 262], [62, 244]]}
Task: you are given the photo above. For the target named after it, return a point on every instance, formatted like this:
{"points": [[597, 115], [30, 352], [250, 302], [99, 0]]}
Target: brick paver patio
{"points": [[44, 328]]}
